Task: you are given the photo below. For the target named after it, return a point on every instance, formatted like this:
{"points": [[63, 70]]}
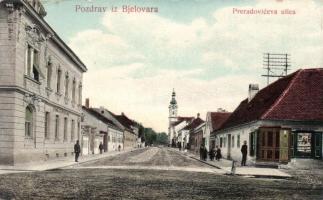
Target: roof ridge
{"points": [[291, 83]]}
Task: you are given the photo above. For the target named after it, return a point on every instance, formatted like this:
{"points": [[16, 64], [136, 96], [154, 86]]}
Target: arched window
{"points": [[29, 121]]}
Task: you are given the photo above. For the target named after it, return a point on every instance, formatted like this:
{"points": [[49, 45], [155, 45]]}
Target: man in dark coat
{"points": [[201, 152], [212, 154], [244, 151], [77, 150], [101, 147], [218, 155], [205, 154]]}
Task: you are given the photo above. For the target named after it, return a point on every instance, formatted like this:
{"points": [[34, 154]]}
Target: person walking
{"points": [[212, 154], [77, 150], [201, 152], [101, 147], [205, 154], [119, 147], [218, 155], [244, 151]]}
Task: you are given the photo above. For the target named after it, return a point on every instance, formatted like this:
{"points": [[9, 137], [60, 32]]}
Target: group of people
{"points": [[77, 149], [214, 153]]}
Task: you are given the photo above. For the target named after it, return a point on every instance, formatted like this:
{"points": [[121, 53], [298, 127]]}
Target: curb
{"points": [[91, 160], [228, 173], [202, 161]]}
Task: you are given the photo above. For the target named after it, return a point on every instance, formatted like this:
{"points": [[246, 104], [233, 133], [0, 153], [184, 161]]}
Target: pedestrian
{"points": [[218, 155], [205, 154], [119, 147], [244, 151], [201, 152], [212, 154], [101, 147], [77, 150]]}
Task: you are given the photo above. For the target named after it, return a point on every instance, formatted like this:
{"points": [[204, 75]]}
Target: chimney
{"points": [[122, 113], [87, 102], [253, 89], [221, 110], [198, 115], [102, 109]]}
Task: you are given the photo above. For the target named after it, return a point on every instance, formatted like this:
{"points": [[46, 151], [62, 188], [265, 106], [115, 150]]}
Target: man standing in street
{"points": [[244, 151], [101, 147], [77, 150]]}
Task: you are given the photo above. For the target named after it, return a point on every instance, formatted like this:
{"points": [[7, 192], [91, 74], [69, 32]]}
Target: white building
{"points": [[214, 121], [40, 87]]}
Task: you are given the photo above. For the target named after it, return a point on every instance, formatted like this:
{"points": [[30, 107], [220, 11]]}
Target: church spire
{"points": [[173, 101]]}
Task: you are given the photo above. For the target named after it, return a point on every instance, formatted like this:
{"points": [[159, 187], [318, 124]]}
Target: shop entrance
{"points": [[273, 143]]}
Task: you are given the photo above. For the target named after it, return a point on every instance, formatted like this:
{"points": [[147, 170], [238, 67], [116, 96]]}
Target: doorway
{"points": [[273, 144]]}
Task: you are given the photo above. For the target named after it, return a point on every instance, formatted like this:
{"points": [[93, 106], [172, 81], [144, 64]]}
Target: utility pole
{"points": [[276, 65]]}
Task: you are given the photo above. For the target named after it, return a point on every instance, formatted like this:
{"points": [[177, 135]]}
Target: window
{"points": [[252, 142], [66, 84], [72, 130], [47, 125], [29, 121], [80, 94], [224, 141], [32, 63], [59, 75], [221, 142], [232, 143], [49, 74], [65, 128], [57, 127], [73, 90], [238, 141]]}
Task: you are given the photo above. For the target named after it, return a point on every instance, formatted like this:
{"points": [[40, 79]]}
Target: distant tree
{"points": [[162, 138], [141, 132]]}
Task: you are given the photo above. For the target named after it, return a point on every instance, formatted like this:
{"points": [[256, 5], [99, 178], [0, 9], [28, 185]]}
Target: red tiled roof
{"points": [[298, 96], [218, 118], [195, 123]]}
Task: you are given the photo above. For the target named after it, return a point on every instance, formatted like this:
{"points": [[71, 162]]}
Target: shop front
{"points": [[276, 144], [307, 144]]}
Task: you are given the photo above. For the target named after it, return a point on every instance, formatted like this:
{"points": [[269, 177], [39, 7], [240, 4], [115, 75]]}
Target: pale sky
{"points": [[199, 47]]}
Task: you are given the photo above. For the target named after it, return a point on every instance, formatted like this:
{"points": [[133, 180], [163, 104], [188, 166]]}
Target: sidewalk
{"points": [[58, 163], [250, 171]]}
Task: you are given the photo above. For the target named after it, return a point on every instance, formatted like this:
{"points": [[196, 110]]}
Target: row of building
{"points": [[282, 122], [41, 112]]}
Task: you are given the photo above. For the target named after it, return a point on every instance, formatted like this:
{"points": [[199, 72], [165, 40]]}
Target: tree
{"points": [[162, 138]]}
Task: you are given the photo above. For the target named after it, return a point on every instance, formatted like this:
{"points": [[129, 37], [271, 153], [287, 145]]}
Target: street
{"points": [[151, 173]]}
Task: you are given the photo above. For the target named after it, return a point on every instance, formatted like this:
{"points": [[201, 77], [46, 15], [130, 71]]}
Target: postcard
{"points": [[161, 99]]}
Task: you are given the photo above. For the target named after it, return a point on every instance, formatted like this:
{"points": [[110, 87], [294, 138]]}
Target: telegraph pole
{"points": [[276, 65]]}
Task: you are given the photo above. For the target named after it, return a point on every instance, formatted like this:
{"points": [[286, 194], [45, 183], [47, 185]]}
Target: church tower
{"points": [[173, 109], [172, 116]]}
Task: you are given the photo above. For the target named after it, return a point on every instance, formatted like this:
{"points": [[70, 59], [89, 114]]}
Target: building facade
{"points": [[96, 129], [131, 131], [195, 135], [280, 123], [40, 87], [214, 121]]}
